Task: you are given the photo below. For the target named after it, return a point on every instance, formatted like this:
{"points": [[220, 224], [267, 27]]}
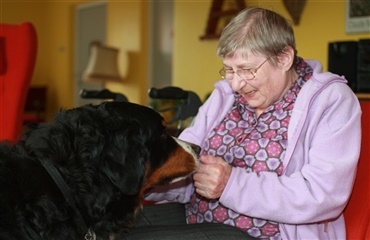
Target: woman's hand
{"points": [[212, 176]]}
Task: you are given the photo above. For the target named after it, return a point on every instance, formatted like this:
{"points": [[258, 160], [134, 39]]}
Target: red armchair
{"points": [[18, 49], [357, 212]]}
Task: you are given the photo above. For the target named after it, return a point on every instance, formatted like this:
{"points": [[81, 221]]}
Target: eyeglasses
{"points": [[243, 73]]}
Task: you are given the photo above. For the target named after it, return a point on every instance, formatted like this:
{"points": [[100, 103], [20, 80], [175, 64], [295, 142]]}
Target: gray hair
{"points": [[258, 30]]}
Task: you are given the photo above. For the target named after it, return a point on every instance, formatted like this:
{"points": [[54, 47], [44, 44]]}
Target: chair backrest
{"points": [[18, 50], [103, 95], [357, 212]]}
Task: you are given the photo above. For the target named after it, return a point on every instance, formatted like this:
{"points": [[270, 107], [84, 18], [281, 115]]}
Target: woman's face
{"points": [[268, 85]]}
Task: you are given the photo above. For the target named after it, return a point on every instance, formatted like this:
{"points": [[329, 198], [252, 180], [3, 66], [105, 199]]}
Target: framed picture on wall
{"points": [[357, 16]]}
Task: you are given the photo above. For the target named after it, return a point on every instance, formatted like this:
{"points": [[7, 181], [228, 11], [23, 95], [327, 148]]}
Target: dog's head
{"points": [[129, 144], [144, 153]]}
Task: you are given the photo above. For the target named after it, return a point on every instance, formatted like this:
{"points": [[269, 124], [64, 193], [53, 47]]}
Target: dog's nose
{"points": [[196, 148]]}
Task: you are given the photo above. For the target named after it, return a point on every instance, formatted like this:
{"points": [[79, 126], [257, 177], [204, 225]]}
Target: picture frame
{"points": [[357, 16]]}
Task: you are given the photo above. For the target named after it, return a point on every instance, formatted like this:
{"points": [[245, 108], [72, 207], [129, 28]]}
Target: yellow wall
{"points": [[195, 64]]}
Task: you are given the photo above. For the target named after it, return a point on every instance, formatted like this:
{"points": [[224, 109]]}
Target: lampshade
{"points": [[102, 65]]}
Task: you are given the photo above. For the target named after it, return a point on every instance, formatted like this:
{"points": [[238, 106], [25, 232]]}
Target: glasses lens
{"points": [[245, 74]]}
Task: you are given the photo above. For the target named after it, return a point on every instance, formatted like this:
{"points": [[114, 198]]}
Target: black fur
{"points": [[102, 152]]}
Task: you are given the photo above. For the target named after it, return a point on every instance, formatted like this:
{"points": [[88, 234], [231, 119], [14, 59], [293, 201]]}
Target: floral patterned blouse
{"points": [[255, 144]]}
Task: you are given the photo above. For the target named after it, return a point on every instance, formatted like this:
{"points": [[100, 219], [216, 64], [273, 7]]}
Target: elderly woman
{"points": [[280, 139]]}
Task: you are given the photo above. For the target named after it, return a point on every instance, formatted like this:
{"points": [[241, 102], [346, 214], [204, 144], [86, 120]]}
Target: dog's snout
{"points": [[196, 148]]}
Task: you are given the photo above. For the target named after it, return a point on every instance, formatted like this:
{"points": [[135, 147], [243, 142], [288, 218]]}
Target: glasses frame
{"points": [[253, 71]]}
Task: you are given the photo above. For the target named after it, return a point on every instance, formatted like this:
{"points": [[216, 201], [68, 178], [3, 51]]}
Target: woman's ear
{"points": [[286, 59]]}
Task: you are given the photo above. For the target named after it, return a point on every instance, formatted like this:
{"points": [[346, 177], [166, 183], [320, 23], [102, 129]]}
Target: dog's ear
{"points": [[125, 165], [36, 140]]}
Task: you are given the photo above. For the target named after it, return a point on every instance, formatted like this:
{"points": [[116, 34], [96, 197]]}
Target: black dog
{"points": [[83, 176]]}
